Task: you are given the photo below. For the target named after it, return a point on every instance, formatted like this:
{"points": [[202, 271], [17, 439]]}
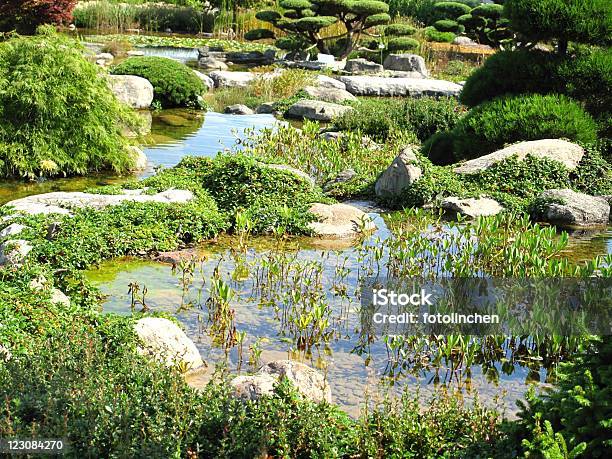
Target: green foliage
{"points": [[584, 21], [594, 174], [579, 408], [431, 34], [490, 126], [512, 73], [447, 25], [399, 29], [57, 114], [268, 16], [385, 119], [259, 34], [550, 445], [377, 19], [402, 44], [174, 84], [489, 11], [450, 10]]}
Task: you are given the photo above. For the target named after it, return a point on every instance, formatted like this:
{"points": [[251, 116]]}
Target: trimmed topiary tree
{"points": [[583, 21], [57, 113], [174, 84], [303, 21]]}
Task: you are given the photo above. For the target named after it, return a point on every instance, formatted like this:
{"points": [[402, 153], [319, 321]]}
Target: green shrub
{"points": [[585, 21], [450, 10], [174, 84], [57, 114], [580, 406], [439, 148], [400, 29], [446, 25], [489, 11], [382, 119], [594, 174], [402, 44], [431, 34], [259, 34], [512, 73], [493, 124]]}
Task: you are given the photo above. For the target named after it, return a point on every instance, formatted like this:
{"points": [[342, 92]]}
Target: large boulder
{"points": [[357, 66], [567, 153], [163, 340], [339, 221], [464, 41], [472, 207], [406, 63], [316, 110], [13, 252], [210, 63], [399, 175], [361, 85], [139, 157], [329, 94], [61, 202], [208, 81], [135, 91], [238, 109], [309, 383], [567, 208], [225, 79], [324, 81]]}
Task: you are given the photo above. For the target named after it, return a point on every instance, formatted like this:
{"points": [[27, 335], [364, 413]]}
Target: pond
{"points": [[183, 55], [285, 294], [174, 134]]}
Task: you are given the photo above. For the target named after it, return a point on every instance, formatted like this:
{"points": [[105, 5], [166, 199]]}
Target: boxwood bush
{"points": [[57, 114], [174, 84], [491, 125], [432, 34]]}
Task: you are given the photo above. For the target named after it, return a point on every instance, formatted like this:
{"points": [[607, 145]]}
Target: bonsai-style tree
{"points": [[303, 20], [25, 15], [582, 21]]}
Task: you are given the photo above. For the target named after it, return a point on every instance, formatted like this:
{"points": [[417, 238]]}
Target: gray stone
{"points": [[208, 82], [396, 87], [406, 63], [339, 221], [140, 159], [567, 208], [324, 81], [14, 252], [61, 201], [135, 53], [132, 90], [316, 110], [163, 340], [399, 175], [266, 108], [608, 198], [225, 79], [238, 109], [342, 177], [464, 41], [361, 65], [332, 136], [251, 57], [472, 207], [329, 94], [567, 153], [104, 56], [210, 63], [12, 230], [310, 383]]}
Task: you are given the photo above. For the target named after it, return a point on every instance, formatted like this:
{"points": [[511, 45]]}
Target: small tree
{"points": [[303, 21], [25, 15], [583, 21]]}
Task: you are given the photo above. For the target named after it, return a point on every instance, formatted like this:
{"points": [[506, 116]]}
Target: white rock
{"points": [[310, 383], [12, 230], [316, 110], [329, 94], [104, 56], [167, 343], [5, 354], [339, 220], [567, 153], [135, 53], [208, 81], [140, 159], [61, 201], [464, 41], [14, 252], [327, 82], [210, 63], [567, 208], [225, 79], [132, 90], [361, 65], [406, 63], [59, 297], [361, 85], [399, 175], [472, 207], [238, 109]]}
